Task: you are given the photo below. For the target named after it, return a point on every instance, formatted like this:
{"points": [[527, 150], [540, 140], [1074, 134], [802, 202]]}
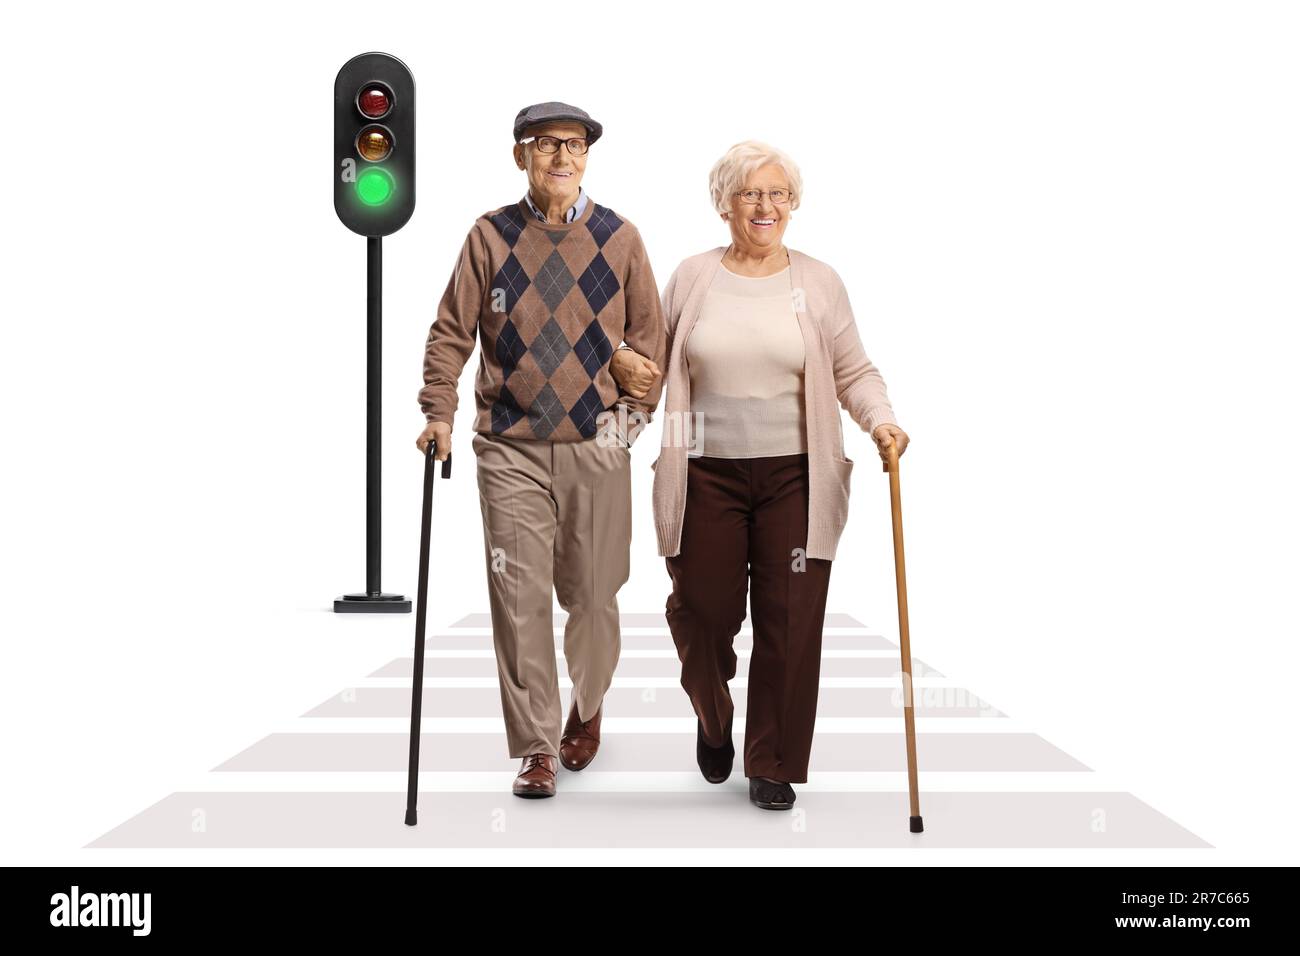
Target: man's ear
{"points": [[519, 155]]}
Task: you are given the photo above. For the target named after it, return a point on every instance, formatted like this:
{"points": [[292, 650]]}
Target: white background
{"points": [[1068, 233]]}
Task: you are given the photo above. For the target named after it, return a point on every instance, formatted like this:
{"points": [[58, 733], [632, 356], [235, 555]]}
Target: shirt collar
{"points": [[574, 211]]}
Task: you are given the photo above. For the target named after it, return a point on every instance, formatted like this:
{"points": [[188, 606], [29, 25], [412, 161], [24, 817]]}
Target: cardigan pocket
{"points": [[838, 491]]}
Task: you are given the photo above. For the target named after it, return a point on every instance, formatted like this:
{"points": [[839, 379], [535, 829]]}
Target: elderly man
{"points": [[551, 285]]}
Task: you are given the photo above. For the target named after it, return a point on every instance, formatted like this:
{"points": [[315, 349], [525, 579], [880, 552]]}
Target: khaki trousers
{"points": [[554, 514]]}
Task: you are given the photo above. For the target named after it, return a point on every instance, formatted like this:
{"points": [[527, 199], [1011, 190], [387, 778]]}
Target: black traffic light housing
{"points": [[374, 144]]}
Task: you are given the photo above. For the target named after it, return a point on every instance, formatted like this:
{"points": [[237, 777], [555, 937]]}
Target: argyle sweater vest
{"points": [[549, 303]]}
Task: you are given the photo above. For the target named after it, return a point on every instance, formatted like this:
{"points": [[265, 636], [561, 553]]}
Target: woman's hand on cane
{"points": [[886, 435]]}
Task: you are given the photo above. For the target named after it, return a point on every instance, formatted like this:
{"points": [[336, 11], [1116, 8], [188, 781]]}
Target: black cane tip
{"points": [[914, 824], [410, 818]]}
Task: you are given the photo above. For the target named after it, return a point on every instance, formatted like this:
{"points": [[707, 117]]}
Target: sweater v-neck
{"points": [[532, 222]]}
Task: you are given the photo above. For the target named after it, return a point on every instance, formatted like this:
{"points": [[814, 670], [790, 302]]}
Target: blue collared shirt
{"points": [[574, 211]]}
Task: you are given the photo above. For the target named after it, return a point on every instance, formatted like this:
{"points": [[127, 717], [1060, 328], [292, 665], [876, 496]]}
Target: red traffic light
{"points": [[374, 100]]}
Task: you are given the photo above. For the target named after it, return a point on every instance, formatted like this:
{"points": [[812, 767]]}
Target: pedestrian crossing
{"points": [[336, 775]]}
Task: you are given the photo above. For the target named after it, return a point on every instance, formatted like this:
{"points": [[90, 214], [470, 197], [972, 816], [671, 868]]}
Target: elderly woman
{"points": [[752, 484]]}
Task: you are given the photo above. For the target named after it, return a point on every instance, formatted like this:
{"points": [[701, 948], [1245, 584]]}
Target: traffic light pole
{"points": [[374, 598]]}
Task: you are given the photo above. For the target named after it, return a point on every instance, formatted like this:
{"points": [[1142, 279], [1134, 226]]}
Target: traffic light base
{"points": [[381, 603]]}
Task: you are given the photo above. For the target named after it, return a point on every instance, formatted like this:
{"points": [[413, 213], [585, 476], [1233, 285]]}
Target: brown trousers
{"points": [[746, 521], [554, 514]]}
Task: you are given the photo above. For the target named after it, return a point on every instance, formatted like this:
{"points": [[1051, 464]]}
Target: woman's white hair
{"points": [[730, 172]]}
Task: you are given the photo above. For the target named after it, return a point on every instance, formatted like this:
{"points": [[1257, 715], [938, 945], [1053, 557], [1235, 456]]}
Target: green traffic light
{"points": [[374, 187]]}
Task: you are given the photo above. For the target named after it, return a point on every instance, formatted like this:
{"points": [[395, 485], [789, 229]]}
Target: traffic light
{"points": [[374, 195], [374, 144]]}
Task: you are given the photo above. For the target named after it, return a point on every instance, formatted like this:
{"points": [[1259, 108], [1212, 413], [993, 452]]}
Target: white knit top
{"points": [[746, 360]]}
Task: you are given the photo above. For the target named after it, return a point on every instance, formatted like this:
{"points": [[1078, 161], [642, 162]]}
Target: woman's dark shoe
{"points": [[770, 795], [715, 762]]}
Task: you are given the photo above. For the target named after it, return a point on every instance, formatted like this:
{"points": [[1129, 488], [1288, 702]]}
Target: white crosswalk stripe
{"points": [[336, 775]]}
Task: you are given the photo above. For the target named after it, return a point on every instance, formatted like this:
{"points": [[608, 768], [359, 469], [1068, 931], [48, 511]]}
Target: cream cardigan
{"points": [[837, 373]]}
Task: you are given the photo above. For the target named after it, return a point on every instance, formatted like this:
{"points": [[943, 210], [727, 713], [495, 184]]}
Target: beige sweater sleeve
{"points": [[672, 312], [858, 383], [454, 331]]}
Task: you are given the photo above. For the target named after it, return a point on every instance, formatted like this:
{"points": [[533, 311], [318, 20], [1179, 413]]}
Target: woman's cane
{"points": [[421, 605], [909, 717]]}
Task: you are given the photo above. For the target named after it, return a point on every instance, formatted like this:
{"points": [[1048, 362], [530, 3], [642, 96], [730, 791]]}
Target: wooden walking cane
{"points": [[909, 717], [421, 606]]}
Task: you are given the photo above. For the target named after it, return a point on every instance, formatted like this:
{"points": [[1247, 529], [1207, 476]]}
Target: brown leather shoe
{"points": [[536, 776], [581, 739]]}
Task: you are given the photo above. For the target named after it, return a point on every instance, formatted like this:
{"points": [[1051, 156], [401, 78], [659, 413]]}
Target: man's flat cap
{"points": [[554, 112]]}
